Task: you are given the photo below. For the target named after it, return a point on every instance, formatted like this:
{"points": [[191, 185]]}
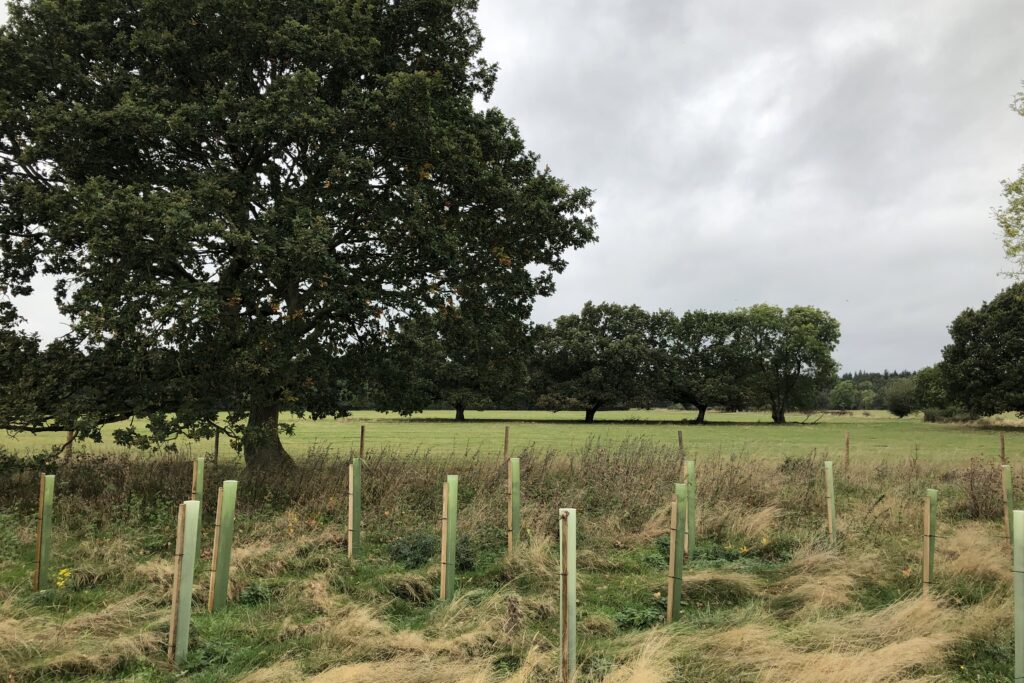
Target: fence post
{"points": [[1008, 502], [1018, 595], [223, 535], [184, 574], [846, 458], [197, 494], [449, 526], [355, 506], [928, 568], [362, 441], [567, 591], [675, 553], [44, 528], [690, 536], [505, 449], [514, 516], [1002, 447], [830, 500], [216, 445]]}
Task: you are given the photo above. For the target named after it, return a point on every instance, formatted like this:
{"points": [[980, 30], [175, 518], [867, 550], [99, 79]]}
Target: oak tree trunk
{"points": [[701, 411], [589, 417], [460, 412], [262, 441]]}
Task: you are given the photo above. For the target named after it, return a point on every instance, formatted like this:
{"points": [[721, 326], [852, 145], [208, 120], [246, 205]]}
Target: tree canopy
{"points": [[1011, 216], [791, 351], [235, 195], [601, 357], [983, 367]]}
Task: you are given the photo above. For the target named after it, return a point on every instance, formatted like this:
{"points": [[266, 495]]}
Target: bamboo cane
{"points": [[449, 527], [1018, 596], [675, 553], [830, 500], [928, 568], [567, 591], [198, 467], [690, 536], [514, 516], [44, 530], [355, 506], [1008, 502]]}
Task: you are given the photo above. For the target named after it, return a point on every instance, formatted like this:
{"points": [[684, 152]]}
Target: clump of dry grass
{"points": [[651, 664]]}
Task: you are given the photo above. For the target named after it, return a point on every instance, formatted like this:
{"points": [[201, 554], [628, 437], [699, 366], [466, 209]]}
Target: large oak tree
{"points": [[232, 195]]}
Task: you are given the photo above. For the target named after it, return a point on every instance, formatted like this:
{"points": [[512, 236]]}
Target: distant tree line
{"points": [[609, 356], [981, 372]]}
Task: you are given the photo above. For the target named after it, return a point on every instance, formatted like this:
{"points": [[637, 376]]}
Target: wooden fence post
{"points": [[197, 494], [184, 574], [362, 441], [830, 501], [1002, 447], [567, 591], [449, 527], [846, 458], [355, 506], [216, 445], [505, 448], [928, 569], [690, 515], [223, 535], [514, 515], [1008, 502], [44, 528], [675, 553], [1018, 595]]}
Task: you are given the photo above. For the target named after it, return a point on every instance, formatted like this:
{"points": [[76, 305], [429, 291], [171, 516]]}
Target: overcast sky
{"points": [[845, 155], [842, 155]]}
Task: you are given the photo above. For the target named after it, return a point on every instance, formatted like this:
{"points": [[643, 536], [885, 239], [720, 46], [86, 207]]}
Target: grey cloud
{"points": [[843, 155]]}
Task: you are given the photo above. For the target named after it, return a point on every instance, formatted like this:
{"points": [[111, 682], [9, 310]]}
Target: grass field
{"points": [[874, 434], [766, 597]]}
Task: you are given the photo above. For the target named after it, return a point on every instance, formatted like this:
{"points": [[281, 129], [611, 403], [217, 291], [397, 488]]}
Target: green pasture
{"points": [[874, 434]]}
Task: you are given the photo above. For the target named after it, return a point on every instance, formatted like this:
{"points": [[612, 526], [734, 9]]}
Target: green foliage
{"points": [[901, 396], [700, 359], [983, 367], [639, 617], [931, 387], [468, 356], [790, 352], [1011, 217], [415, 549], [601, 357], [254, 594], [237, 200], [844, 396]]}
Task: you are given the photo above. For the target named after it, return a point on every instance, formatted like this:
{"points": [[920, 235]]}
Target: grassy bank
{"points": [[766, 598], [874, 434]]}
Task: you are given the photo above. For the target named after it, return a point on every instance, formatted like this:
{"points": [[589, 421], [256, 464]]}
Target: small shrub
{"points": [[254, 594], [415, 549], [633, 618]]}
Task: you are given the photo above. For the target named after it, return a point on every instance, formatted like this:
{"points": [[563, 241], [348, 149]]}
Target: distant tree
{"points": [[901, 396], [466, 356], [790, 354], [699, 360], [1011, 217], [931, 388], [844, 396], [983, 367], [868, 399], [237, 197], [603, 356]]}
